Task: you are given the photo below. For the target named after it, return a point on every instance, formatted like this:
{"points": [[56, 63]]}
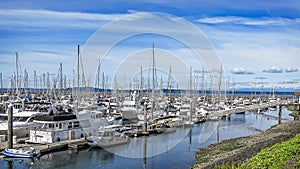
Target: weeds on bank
{"points": [[230, 145], [276, 156]]}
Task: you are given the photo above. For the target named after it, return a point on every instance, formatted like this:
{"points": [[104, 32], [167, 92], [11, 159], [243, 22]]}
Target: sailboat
{"points": [[131, 107], [153, 112], [271, 100]]}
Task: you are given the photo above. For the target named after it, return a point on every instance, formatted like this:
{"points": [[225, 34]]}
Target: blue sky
{"points": [[257, 42]]}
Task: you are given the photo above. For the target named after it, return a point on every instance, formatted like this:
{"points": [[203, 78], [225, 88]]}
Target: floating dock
{"points": [[78, 144]]}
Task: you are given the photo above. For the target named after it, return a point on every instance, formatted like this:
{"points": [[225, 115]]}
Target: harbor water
{"points": [[168, 150]]}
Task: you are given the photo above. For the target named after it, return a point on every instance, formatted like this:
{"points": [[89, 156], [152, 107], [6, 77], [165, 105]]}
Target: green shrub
{"points": [[297, 164], [276, 156]]}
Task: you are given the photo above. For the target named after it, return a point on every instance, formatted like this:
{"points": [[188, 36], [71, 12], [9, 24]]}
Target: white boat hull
{"points": [[94, 141], [18, 130], [45, 137], [18, 153]]}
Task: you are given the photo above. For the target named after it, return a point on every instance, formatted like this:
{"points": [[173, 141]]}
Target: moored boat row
{"points": [[66, 118]]}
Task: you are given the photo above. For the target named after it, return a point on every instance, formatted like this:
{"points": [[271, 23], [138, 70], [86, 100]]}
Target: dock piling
{"points": [[10, 127], [145, 118], [218, 132], [191, 109], [280, 114], [10, 164]]}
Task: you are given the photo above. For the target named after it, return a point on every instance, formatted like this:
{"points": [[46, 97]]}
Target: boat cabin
{"points": [[56, 128]]}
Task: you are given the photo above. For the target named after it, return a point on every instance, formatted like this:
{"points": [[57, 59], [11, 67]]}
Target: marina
{"points": [[180, 146], [145, 142], [149, 84]]}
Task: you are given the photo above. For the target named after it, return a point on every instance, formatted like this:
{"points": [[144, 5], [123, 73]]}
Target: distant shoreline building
{"points": [[297, 96]]}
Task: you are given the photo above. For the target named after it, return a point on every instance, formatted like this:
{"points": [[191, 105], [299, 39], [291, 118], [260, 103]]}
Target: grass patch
{"points": [[227, 166], [276, 156], [202, 160], [232, 144], [207, 155]]}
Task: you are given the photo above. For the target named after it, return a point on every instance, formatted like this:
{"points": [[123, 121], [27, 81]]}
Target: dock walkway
{"points": [[222, 113]]}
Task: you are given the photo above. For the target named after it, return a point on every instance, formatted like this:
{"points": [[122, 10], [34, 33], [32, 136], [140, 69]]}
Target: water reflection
{"points": [[145, 152], [12, 163], [163, 143]]}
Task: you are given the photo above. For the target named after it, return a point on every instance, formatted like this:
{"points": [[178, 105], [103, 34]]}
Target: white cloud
{"points": [[30, 19], [203, 71], [254, 49], [261, 78], [58, 15], [241, 71], [247, 21], [288, 82], [273, 70], [291, 69]]}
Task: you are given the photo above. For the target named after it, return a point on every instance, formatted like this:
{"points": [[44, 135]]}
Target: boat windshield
{"points": [[20, 119], [106, 133]]}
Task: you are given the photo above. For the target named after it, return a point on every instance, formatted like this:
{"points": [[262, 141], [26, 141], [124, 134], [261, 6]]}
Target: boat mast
{"points": [[1, 84], [60, 77], [25, 81], [43, 82], [12, 82], [153, 83], [211, 90], [48, 83], [34, 80], [65, 82], [73, 83], [255, 89], [141, 85], [78, 75], [191, 82], [98, 75], [177, 89], [78, 60], [153, 71], [191, 98], [17, 72], [232, 92], [170, 81], [161, 86], [273, 92], [103, 83], [106, 80], [116, 86], [219, 85], [202, 93]]}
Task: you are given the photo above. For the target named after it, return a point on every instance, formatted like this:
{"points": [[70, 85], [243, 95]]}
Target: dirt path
{"points": [[241, 149]]}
